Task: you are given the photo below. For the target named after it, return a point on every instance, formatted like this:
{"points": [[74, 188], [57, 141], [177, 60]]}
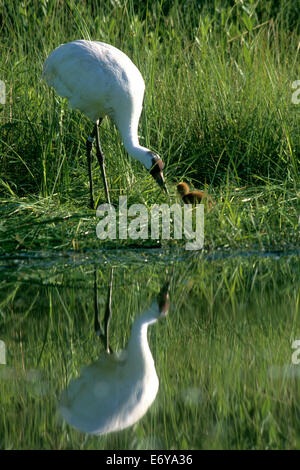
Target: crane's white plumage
{"points": [[100, 80]]}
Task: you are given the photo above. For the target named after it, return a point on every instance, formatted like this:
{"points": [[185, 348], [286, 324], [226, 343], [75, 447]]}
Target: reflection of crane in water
{"points": [[115, 391]]}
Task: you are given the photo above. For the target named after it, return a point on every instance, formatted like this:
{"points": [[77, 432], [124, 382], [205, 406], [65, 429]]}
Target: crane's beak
{"points": [[157, 172], [159, 178]]}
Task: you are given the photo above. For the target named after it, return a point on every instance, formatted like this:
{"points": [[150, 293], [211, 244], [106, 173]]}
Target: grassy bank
{"points": [[218, 109], [249, 218]]}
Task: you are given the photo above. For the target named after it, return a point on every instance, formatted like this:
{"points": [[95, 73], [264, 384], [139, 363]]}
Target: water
{"points": [[225, 354]]}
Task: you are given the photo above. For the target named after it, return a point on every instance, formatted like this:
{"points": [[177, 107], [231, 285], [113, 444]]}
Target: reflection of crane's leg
{"points": [[97, 326], [107, 316], [100, 157]]}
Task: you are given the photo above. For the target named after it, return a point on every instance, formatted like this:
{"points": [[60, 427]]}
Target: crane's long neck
{"points": [[138, 345], [129, 133]]}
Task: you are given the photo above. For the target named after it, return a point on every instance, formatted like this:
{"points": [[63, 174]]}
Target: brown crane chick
{"points": [[189, 197], [193, 197]]}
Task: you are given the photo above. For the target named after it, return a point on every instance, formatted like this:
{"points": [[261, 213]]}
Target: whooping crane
{"points": [[100, 80]]}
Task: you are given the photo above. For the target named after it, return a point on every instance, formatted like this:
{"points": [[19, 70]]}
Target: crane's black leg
{"points": [[89, 146], [100, 157]]}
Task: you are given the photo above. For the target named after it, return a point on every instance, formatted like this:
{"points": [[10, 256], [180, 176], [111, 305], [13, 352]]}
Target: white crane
{"points": [[100, 80], [116, 391]]}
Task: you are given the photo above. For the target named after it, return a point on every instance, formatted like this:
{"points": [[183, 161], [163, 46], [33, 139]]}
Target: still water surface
{"points": [[149, 350]]}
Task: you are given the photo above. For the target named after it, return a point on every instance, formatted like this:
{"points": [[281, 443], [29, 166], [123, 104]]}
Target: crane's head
{"points": [[157, 171]]}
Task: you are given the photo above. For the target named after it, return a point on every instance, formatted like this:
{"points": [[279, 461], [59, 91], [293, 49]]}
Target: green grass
{"points": [[217, 108], [250, 218]]}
